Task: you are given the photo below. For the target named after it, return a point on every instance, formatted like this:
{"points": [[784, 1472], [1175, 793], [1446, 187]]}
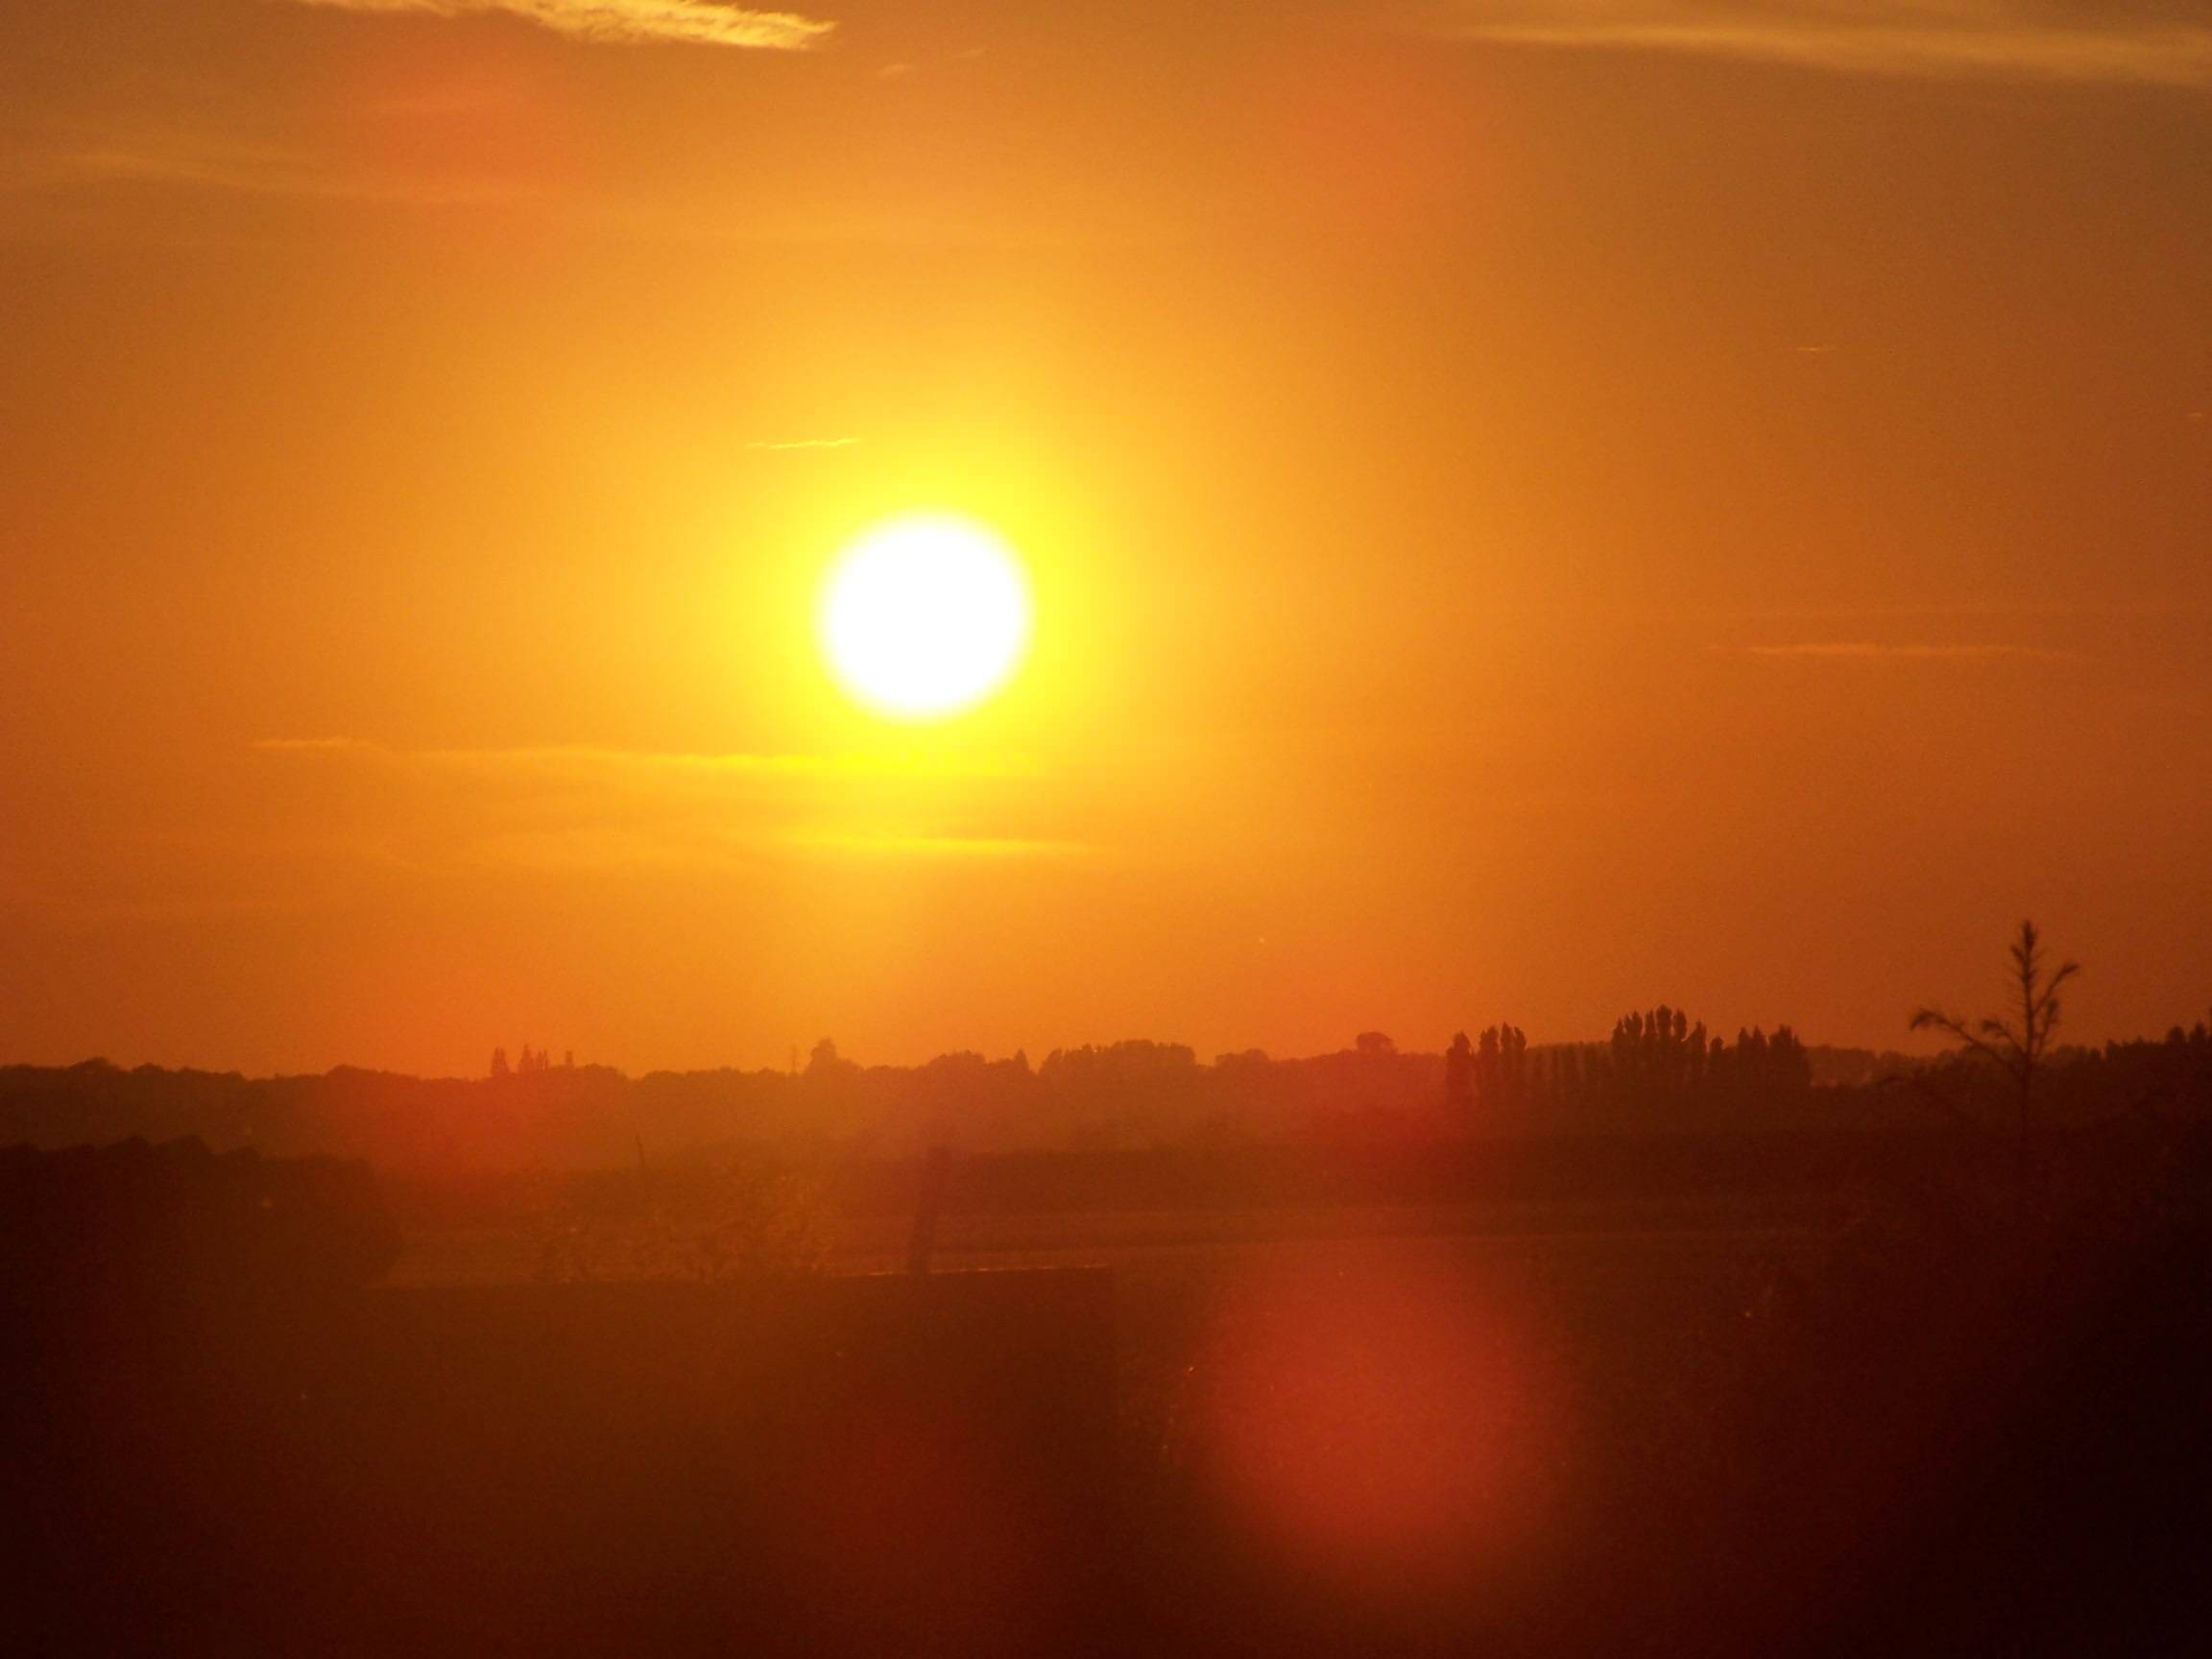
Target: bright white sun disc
{"points": [[925, 616]]}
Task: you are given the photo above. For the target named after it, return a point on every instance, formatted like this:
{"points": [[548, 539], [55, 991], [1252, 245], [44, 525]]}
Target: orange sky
{"points": [[1535, 508]]}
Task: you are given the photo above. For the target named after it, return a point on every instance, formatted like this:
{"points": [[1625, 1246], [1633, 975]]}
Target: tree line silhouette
{"points": [[1656, 1059], [1658, 1070]]}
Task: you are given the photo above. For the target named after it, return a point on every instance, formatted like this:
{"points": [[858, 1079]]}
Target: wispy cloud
{"points": [[66, 158], [572, 761], [1867, 651], [936, 846], [2139, 41], [558, 808], [629, 22]]}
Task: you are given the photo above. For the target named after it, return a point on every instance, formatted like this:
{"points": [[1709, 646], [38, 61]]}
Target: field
{"points": [[1574, 1413], [1559, 1414], [1373, 1400], [1188, 1281]]}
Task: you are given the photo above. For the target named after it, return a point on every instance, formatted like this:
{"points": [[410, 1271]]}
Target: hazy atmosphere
{"points": [[1529, 508], [995, 831]]}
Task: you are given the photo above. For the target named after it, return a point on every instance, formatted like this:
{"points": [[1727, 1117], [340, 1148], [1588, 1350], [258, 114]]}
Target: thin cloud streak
{"points": [[1866, 651], [628, 22], [1899, 38], [589, 761], [938, 846], [574, 808], [69, 161]]}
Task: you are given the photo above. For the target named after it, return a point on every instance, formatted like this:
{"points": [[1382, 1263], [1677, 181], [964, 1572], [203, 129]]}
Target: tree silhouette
{"points": [[2016, 1043], [1458, 1074], [823, 1061], [1502, 1065]]}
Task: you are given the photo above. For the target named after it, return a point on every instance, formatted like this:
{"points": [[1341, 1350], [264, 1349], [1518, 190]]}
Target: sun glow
{"points": [[924, 616]]}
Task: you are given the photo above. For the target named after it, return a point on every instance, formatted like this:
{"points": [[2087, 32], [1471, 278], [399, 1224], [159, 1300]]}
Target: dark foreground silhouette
{"points": [[1971, 1418]]}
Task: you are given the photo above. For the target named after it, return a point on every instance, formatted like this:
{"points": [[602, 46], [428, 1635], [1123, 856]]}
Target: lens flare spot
{"points": [[1389, 1433]]}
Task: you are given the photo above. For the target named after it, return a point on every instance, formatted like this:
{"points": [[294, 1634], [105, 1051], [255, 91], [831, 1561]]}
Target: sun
{"points": [[925, 616]]}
